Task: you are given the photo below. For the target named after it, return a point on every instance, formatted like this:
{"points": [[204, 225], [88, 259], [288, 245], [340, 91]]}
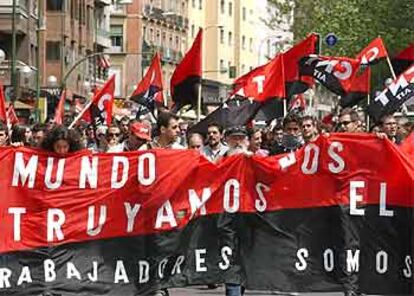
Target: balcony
{"points": [[103, 38]]}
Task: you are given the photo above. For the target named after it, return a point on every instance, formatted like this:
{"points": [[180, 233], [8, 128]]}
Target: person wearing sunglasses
{"points": [[113, 137], [349, 121]]}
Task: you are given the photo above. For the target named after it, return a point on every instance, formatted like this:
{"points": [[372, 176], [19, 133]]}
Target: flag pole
{"points": [[391, 68], [81, 114], [199, 102], [368, 119], [284, 107]]}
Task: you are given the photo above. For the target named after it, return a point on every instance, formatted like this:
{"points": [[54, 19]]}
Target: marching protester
{"points": [[215, 149], [62, 140], [195, 141], [255, 142], [124, 126], [139, 136], [38, 134], [113, 137], [349, 121], [389, 127], [20, 136], [4, 135], [292, 138], [309, 129]]}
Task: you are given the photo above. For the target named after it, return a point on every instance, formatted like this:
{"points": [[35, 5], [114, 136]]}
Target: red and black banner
{"points": [[359, 89], [374, 52], [186, 79], [392, 97], [336, 215], [403, 60], [149, 90], [100, 109], [335, 73], [295, 83]]}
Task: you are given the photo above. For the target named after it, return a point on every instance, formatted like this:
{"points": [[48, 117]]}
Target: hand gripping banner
{"points": [[336, 215]]}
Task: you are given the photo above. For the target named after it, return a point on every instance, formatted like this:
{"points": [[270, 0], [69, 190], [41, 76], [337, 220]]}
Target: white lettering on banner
{"points": [[407, 271], [226, 252], [354, 197], [319, 75], [25, 276], [340, 163], [131, 214], [93, 277], [55, 226], [382, 98], [370, 55], [72, 271], [231, 189], [117, 161], [403, 93], [259, 80], [198, 204], [287, 161], [302, 254], [328, 260], [307, 155], [383, 211], [165, 214], [331, 68], [352, 260], [59, 173], [146, 160], [199, 260], [381, 262], [50, 273], [346, 74], [177, 266], [91, 220], [161, 267], [143, 267], [24, 173], [120, 273], [5, 274], [17, 215], [88, 172], [261, 203]]}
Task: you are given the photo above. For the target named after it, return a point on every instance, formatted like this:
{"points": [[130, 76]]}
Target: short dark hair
{"points": [[309, 117], [217, 125], [277, 127], [251, 131], [18, 134], [3, 127], [383, 118], [291, 118], [351, 112], [39, 127], [164, 119]]}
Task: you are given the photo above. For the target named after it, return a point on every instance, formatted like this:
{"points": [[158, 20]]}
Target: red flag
{"points": [[149, 90], [187, 75], [264, 82], [295, 83], [101, 107], [403, 60], [407, 146], [60, 110], [373, 52], [11, 116], [359, 89], [3, 115]]}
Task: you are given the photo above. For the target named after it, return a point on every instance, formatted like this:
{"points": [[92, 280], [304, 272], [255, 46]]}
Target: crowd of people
{"points": [[171, 132]]}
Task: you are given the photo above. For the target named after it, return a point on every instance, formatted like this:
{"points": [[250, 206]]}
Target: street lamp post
{"points": [[14, 47]]}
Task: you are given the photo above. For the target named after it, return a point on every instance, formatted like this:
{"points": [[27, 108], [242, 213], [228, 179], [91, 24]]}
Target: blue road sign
{"points": [[331, 39]]}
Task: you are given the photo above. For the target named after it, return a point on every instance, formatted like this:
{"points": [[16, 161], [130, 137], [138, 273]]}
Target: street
{"points": [[202, 290]]}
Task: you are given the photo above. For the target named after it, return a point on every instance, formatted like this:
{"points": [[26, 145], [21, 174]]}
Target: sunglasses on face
{"points": [[113, 135]]}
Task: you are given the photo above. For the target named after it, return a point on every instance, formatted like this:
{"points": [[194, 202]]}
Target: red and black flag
{"points": [[187, 76], [335, 73], [149, 90], [359, 90], [373, 52], [3, 114], [403, 60], [392, 97], [295, 83], [12, 116], [297, 104]]}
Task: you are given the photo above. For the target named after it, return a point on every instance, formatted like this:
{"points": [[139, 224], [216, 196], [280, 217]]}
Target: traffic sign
{"points": [[331, 39]]}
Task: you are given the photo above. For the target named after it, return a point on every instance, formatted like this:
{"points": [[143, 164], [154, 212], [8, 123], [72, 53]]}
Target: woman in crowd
{"points": [[62, 140]]}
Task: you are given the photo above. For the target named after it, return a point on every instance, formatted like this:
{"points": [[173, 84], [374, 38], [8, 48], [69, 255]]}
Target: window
{"points": [[164, 39], [170, 41], [222, 36], [230, 38], [251, 44], [117, 36], [192, 31], [193, 3], [53, 50], [200, 4], [230, 8], [151, 35], [177, 42], [243, 42], [222, 9], [158, 38], [243, 68], [244, 13], [54, 5], [221, 64]]}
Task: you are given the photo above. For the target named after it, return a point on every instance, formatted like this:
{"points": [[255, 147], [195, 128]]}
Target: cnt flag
{"points": [[359, 89], [295, 83], [298, 103], [101, 106], [12, 116], [186, 78], [335, 73], [392, 97], [373, 52], [403, 60], [3, 114], [149, 90]]}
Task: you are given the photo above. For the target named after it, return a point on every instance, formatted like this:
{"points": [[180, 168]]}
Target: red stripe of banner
{"points": [[162, 186]]}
